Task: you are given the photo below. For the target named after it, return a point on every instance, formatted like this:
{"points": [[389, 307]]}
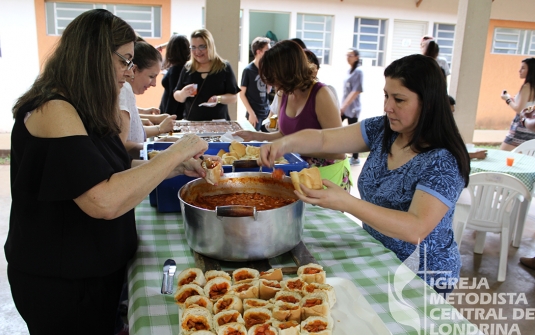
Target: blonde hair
{"points": [[218, 63]]}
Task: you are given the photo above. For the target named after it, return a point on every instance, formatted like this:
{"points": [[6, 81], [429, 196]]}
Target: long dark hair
{"points": [[286, 67], [177, 51], [81, 69], [436, 127], [530, 77], [432, 49], [356, 64]]}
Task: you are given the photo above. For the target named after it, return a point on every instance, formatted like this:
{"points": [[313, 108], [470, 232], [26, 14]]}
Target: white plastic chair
{"points": [[526, 148], [495, 203]]}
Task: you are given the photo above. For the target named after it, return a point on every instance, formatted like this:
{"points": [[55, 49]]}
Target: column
{"points": [[469, 52], [223, 21]]}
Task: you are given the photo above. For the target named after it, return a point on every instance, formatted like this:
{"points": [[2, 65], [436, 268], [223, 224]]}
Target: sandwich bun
{"points": [[310, 177]]}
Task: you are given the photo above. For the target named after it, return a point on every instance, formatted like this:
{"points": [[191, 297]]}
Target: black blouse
{"points": [[219, 83], [49, 235], [168, 104]]}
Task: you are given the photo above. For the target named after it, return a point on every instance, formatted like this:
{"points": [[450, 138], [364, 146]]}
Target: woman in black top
{"points": [[176, 55], [216, 84], [72, 226]]}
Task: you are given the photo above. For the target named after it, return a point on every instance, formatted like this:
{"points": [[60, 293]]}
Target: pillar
{"points": [[469, 52], [223, 21]]}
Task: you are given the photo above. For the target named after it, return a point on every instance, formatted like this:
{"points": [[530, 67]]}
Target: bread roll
{"points": [[287, 327], [153, 153], [263, 329], [326, 288], [228, 302], [186, 291], [255, 303], [312, 273], [213, 170], [203, 332], [286, 311], [317, 325], [315, 304], [199, 301], [252, 150], [310, 177], [272, 274], [221, 152], [216, 288], [226, 317], [268, 288], [246, 290], [288, 296], [191, 276], [244, 275], [237, 147], [293, 284], [233, 328], [193, 319], [255, 316], [211, 274]]}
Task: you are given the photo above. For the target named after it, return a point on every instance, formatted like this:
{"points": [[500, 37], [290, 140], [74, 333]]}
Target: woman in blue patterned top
{"points": [[416, 169]]}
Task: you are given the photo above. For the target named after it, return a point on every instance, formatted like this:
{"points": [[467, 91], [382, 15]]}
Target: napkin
{"points": [[228, 137]]}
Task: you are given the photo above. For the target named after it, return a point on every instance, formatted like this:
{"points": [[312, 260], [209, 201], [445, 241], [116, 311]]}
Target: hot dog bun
{"points": [[213, 171], [310, 177]]}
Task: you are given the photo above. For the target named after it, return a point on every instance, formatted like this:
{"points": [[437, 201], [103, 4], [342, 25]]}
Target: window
{"points": [[316, 32], [146, 20], [369, 39], [444, 35], [513, 41]]}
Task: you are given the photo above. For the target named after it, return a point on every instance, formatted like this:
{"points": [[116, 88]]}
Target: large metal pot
{"points": [[238, 233]]}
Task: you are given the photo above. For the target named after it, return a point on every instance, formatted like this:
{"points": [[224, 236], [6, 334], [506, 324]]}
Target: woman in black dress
{"points": [[206, 79]]}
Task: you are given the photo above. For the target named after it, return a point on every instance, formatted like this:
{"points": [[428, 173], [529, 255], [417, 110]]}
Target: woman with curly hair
{"points": [[304, 103]]}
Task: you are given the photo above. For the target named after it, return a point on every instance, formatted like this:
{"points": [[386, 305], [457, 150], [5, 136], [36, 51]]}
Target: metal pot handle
{"points": [[236, 211]]}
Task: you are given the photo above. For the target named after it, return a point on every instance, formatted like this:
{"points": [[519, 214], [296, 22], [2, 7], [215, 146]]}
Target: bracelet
{"points": [[218, 99], [508, 101]]}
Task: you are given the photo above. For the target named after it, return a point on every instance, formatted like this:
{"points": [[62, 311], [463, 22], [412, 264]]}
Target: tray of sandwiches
{"points": [[251, 302]]}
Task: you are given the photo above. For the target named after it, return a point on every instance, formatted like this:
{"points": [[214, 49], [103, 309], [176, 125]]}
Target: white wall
{"points": [[19, 64]]}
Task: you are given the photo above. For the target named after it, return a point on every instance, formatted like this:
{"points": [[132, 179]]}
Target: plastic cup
{"points": [[194, 89], [510, 161]]}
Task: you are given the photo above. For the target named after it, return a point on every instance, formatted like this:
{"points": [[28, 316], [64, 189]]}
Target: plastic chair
{"points": [[495, 203], [526, 148]]}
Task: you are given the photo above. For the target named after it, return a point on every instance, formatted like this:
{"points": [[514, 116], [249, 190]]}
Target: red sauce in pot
{"points": [[260, 201]]}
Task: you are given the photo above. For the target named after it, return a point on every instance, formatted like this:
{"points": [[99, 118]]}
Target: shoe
{"points": [[353, 161], [528, 261]]}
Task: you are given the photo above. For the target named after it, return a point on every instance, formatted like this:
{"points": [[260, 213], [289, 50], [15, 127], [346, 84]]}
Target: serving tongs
{"points": [[277, 174], [169, 268]]}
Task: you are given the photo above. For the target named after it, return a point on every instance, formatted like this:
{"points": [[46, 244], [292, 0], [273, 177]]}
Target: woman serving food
{"points": [[416, 169]]}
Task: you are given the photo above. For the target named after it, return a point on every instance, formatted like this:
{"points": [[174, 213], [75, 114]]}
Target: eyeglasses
{"points": [[128, 63], [201, 47]]}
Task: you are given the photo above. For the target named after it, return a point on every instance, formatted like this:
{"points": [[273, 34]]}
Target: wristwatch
{"points": [[218, 99]]}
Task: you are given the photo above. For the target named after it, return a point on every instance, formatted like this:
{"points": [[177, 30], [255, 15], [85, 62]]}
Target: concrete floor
{"points": [[518, 289]]}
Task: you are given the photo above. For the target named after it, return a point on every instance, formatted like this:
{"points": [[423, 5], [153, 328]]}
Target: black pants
{"points": [[67, 306], [351, 120]]}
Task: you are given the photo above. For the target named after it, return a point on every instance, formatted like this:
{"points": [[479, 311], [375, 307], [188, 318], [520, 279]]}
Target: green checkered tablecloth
{"points": [[523, 167], [341, 246]]}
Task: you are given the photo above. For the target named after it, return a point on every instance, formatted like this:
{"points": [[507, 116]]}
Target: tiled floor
{"points": [[512, 298]]}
